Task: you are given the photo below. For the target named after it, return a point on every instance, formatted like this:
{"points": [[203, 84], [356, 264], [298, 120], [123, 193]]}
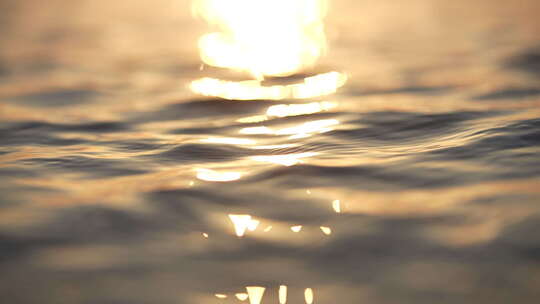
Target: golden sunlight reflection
{"points": [[310, 127], [252, 225], [243, 222], [326, 230], [255, 294], [308, 295], [313, 86], [205, 234], [220, 296], [261, 37], [215, 176], [336, 205], [256, 131], [283, 146], [282, 294], [284, 110], [242, 296], [267, 229], [296, 228], [252, 119], [228, 141], [285, 160], [304, 130]]}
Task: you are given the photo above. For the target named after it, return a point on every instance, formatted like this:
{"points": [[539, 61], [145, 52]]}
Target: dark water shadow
{"points": [[509, 94], [402, 127], [528, 61], [91, 167]]}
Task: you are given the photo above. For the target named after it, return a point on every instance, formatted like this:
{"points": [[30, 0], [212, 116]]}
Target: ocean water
{"points": [[111, 170]]}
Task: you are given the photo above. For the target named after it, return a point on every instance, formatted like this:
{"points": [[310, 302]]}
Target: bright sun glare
{"points": [[264, 38]]}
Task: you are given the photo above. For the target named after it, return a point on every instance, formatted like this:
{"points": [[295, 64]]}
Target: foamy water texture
{"points": [[417, 182]]}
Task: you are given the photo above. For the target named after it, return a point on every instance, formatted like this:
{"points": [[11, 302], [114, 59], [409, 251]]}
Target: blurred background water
{"points": [[111, 169]]}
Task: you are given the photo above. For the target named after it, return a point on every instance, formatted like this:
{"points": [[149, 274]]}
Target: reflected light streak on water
{"points": [[229, 141], [216, 176], [308, 295], [243, 222], [284, 110], [326, 230], [253, 224], [255, 294], [296, 228], [311, 87], [301, 131], [336, 205], [242, 296], [282, 294], [285, 160]]}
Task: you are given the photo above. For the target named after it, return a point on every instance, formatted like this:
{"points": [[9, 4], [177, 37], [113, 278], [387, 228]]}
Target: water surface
{"points": [[111, 170]]}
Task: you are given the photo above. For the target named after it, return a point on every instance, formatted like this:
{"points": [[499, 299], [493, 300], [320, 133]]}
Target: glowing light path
{"points": [[326, 230], [336, 205], [215, 176], [282, 294], [242, 296], [255, 294], [314, 86], [296, 228], [308, 295]]}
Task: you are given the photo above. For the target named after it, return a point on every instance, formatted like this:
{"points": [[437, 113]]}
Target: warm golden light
{"points": [[255, 294], [336, 204], [314, 86], [252, 119], [304, 130], [256, 131], [284, 110], [267, 229], [205, 234], [215, 176], [285, 159], [261, 37], [220, 296], [241, 223], [308, 295], [228, 141], [264, 38], [268, 147], [310, 127], [282, 294], [242, 296], [326, 230], [296, 228], [252, 225]]}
